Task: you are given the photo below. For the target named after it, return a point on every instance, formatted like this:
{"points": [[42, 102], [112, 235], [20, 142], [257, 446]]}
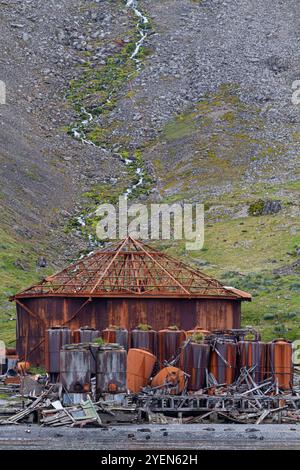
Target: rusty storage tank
{"points": [[111, 364], [75, 369], [56, 338], [116, 334], [253, 353], [85, 334], [197, 330], [140, 364], [194, 360], [169, 342], [280, 364], [223, 359], [144, 337]]}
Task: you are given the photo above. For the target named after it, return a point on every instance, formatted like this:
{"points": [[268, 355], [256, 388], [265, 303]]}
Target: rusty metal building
{"points": [[125, 284]]}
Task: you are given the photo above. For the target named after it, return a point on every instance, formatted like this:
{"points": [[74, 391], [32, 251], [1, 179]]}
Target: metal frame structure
{"points": [[130, 268]]}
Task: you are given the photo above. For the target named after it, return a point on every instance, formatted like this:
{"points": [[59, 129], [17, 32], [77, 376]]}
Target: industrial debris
{"points": [[125, 286], [195, 376]]}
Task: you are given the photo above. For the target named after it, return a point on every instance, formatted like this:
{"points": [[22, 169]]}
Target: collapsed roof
{"points": [[130, 268]]}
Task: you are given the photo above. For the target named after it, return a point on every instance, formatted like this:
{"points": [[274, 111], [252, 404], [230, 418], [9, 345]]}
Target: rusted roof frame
{"points": [[131, 268]]}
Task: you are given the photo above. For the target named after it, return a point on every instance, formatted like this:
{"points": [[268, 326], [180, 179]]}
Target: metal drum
{"points": [[280, 365], [85, 334], [75, 369], [223, 360], [194, 360], [169, 342], [56, 338], [115, 334], [144, 339], [111, 366], [253, 353], [140, 364]]}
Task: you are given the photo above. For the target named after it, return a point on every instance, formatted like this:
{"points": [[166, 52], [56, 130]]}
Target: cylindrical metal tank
{"points": [[280, 365], [111, 370], [75, 369], [116, 335], [223, 360], [169, 343], [141, 339], [56, 338], [197, 330], [194, 360], [253, 353], [85, 334], [140, 364]]}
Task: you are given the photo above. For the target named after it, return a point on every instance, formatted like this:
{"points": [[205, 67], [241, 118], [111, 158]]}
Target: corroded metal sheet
{"points": [[280, 362], [75, 370], [169, 343], [56, 338], [85, 334], [111, 370], [253, 353], [223, 361], [146, 340], [140, 364], [194, 361], [100, 313], [116, 335]]}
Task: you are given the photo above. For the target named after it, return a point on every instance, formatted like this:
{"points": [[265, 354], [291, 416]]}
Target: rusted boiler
{"points": [[253, 354], [140, 364], [223, 359], [280, 365], [170, 380], [194, 361]]}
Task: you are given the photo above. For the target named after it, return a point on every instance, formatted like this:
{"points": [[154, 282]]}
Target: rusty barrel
{"points": [[116, 335], [280, 365], [85, 334], [194, 360], [75, 369], [111, 364], [169, 343], [253, 353], [140, 364], [223, 360], [170, 380], [141, 339], [56, 338]]}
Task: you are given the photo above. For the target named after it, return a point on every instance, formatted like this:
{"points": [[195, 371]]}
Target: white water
{"points": [[133, 4], [78, 131]]}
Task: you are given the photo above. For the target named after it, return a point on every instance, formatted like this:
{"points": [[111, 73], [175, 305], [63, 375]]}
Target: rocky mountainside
{"points": [[171, 100]]}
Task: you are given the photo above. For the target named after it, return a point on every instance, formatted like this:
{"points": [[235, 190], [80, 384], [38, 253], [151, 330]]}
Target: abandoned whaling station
{"points": [[129, 334]]}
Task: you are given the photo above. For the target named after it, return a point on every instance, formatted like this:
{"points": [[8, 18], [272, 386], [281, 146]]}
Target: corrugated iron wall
{"points": [[100, 313]]}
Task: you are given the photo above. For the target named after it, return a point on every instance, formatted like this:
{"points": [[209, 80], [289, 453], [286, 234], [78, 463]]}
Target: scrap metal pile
{"points": [[166, 376]]}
